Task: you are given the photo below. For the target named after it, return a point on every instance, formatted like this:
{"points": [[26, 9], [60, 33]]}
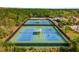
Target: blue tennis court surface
{"points": [[44, 22], [38, 34]]}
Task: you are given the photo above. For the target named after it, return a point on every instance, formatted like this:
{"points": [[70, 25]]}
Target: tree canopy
{"points": [[10, 17]]}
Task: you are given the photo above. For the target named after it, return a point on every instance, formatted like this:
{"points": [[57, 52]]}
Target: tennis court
{"points": [[39, 32]]}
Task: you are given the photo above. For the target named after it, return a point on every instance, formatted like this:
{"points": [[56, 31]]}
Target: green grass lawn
{"points": [[74, 36]]}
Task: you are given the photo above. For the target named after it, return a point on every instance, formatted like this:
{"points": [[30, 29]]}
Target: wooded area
{"points": [[11, 17]]}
